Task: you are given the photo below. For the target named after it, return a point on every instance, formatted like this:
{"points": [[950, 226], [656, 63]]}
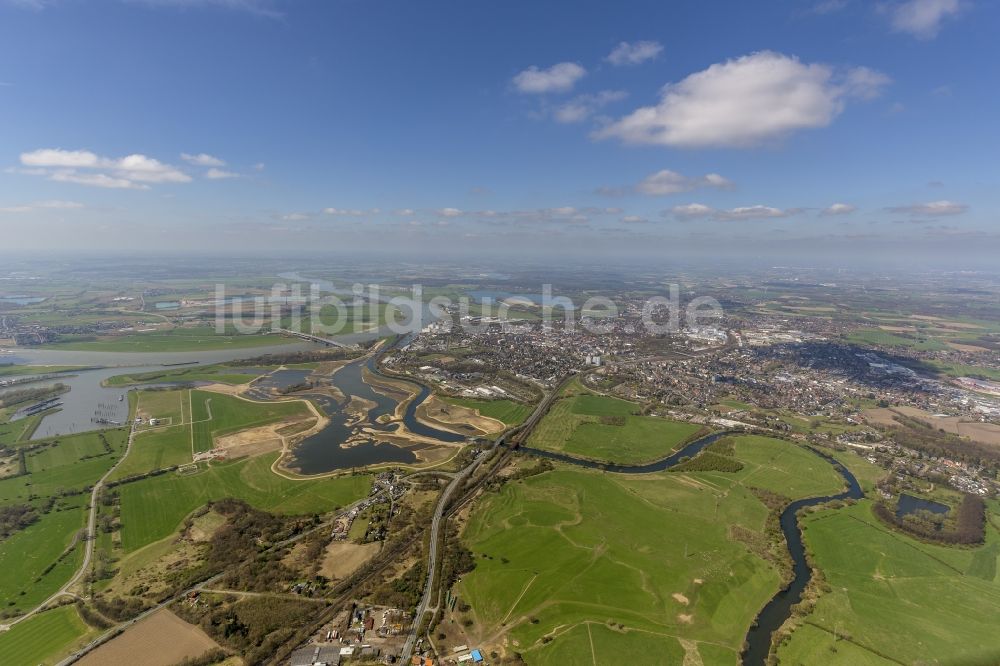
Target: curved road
{"points": [[88, 539]]}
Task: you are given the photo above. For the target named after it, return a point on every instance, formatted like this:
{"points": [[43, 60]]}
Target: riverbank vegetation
{"points": [[896, 599], [565, 554]]}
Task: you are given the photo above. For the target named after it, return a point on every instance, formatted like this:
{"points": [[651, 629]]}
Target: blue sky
{"points": [[650, 127]]}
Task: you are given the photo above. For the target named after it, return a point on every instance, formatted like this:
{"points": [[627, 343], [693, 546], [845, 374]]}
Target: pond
{"points": [[909, 504]]}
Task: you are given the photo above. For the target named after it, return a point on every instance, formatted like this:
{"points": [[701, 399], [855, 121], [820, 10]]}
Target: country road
{"points": [[88, 539]]}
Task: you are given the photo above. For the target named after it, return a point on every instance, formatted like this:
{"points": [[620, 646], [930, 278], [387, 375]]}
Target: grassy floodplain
{"points": [[42, 638], [580, 566], [509, 412], [893, 597], [574, 425], [220, 374], [151, 509], [202, 338], [193, 420]]}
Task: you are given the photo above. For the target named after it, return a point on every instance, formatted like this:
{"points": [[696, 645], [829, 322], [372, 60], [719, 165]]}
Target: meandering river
{"points": [[779, 608]]}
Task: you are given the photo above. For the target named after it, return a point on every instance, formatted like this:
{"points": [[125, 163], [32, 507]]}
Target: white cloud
{"points": [[51, 204], [202, 159], [692, 210], [147, 170], [583, 106], [932, 209], [922, 18], [220, 174], [633, 53], [449, 212], [56, 157], [95, 180], [404, 212], [753, 213], [840, 209], [667, 182], [758, 212], [745, 102], [634, 219], [344, 212], [295, 217], [557, 78], [86, 168]]}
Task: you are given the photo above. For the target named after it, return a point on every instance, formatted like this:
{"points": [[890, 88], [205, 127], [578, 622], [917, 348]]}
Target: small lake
{"points": [[909, 504], [168, 305]]}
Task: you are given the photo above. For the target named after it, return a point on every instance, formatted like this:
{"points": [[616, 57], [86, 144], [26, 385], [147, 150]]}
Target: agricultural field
{"points": [[163, 637], [510, 412], [151, 509], [37, 560], [158, 448], [42, 638], [228, 414], [893, 597], [602, 428], [194, 418], [67, 464]]}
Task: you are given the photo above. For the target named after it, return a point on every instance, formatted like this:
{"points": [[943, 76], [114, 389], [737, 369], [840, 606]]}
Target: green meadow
{"points": [[581, 566], [785, 468], [574, 425], [64, 464], [174, 340], [42, 638], [195, 418], [26, 555], [199, 373], [38, 560], [896, 597], [509, 412], [151, 509], [572, 553], [228, 413]]}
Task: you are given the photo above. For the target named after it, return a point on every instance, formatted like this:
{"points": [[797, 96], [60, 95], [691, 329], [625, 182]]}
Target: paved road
{"points": [[519, 433], [88, 540]]}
